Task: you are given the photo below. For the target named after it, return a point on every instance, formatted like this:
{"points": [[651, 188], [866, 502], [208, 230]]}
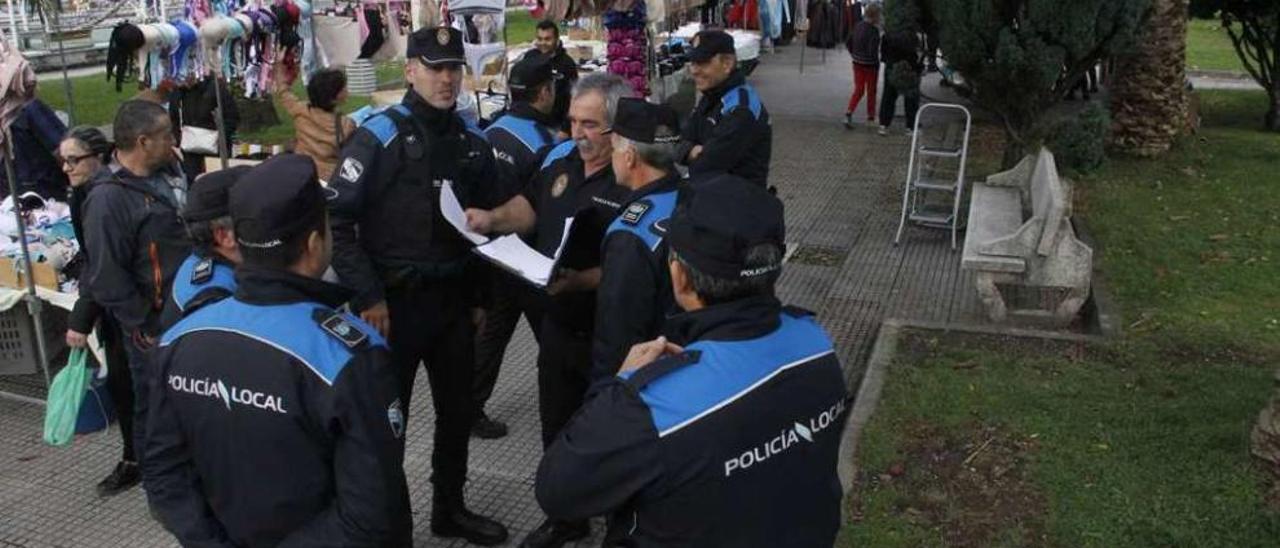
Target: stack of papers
{"points": [[508, 252]]}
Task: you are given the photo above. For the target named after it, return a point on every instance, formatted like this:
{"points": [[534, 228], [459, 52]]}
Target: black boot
{"points": [[486, 428], [454, 520], [124, 477], [554, 534]]}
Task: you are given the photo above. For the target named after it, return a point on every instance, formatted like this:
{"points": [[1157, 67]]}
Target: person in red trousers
{"points": [[864, 45]]}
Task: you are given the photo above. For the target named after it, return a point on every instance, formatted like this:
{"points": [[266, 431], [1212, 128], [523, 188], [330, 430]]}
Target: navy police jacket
{"points": [[518, 139], [560, 190], [276, 421], [634, 297], [732, 126], [386, 220], [731, 443], [201, 280]]}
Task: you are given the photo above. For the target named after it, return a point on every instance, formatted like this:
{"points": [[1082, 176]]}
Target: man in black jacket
{"points": [[547, 43], [412, 270], [728, 131], [725, 434], [133, 235], [635, 289], [903, 65], [518, 138], [276, 419], [208, 274]]}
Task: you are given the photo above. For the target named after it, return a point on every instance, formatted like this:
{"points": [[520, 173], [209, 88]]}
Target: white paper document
{"points": [[453, 212], [508, 252]]}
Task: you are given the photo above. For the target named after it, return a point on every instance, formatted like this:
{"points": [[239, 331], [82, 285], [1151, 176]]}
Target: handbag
{"points": [[65, 396], [97, 410], [198, 140]]}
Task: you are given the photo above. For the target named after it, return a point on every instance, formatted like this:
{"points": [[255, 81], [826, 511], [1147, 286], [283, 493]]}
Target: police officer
{"points": [[276, 420], [519, 135], [208, 274], [726, 433], [728, 131], [410, 268], [577, 181], [635, 290], [518, 139]]}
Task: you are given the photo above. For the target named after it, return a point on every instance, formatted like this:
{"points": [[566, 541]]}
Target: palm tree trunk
{"points": [[1148, 95]]}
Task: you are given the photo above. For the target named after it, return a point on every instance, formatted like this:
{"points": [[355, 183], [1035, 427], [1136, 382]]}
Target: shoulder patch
{"points": [[351, 170], [635, 212], [334, 324], [202, 272]]}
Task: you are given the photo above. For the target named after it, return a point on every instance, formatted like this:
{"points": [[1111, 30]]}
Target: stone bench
{"points": [[1020, 234]]}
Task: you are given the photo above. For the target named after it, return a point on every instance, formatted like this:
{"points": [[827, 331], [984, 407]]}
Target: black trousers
{"points": [[564, 369], [119, 382], [432, 326], [141, 381], [509, 298], [889, 100]]}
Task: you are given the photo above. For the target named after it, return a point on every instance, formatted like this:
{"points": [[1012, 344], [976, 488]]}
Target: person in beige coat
{"points": [[319, 127]]}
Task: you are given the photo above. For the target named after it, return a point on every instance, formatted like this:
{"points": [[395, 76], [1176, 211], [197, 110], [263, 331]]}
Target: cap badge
{"points": [[442, 36], [561, 183]]}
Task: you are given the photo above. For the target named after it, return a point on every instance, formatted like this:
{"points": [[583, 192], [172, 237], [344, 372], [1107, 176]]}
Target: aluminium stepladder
{"points": [[913, 207]]}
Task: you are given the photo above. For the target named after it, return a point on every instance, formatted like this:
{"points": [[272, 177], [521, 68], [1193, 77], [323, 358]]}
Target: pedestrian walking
{"points": [[903, 67], [864, 46]]}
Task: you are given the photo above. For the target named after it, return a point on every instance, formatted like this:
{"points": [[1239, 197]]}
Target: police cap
{"points": [[276, 200], [709, 43], [645, 122], [436, 46], [530, 72], [210, 194], [720, 221]]}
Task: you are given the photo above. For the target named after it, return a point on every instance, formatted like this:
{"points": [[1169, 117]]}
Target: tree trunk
{"points": [[1272, 120], [1148, 95]]}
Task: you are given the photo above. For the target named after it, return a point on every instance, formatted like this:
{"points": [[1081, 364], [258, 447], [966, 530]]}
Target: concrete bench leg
{"points": [[1071, 304], [990, 295]]}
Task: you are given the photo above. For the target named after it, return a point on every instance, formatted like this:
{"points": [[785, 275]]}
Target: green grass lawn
{"points": [[96, 99], [1209, 47], [1142, 441]]}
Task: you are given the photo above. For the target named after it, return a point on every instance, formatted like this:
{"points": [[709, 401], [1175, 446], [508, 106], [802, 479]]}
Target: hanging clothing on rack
{"points": [[338, 39], [372, 32]]}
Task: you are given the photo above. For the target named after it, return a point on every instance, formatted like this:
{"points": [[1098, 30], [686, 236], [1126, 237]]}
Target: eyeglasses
{"points": [[74, 160]]}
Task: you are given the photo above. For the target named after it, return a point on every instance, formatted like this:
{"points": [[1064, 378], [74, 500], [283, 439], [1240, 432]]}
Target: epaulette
{"points": [[663, 366]]}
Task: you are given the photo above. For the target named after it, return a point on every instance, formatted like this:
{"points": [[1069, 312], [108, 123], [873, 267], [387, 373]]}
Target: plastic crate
{"points": [[18, 339]]}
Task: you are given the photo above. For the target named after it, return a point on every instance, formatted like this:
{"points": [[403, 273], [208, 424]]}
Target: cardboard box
{"points": [[14, 277]]}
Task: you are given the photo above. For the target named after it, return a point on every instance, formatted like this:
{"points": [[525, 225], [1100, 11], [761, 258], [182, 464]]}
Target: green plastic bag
{"points": [[63, 405]]}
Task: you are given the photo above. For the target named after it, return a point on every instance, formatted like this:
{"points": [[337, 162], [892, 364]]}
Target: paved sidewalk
{"points": [[842, 191]]}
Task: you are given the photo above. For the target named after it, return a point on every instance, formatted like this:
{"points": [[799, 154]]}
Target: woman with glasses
{"points": [[84, 152]]}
